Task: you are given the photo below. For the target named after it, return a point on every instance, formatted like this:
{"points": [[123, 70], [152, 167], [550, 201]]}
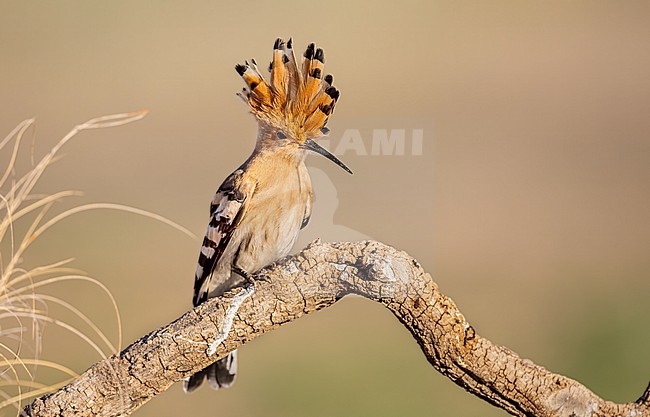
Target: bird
{"points": [[259, 209]]}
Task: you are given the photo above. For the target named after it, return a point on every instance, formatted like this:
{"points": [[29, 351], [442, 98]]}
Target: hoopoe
{"points": [[257, 212]]}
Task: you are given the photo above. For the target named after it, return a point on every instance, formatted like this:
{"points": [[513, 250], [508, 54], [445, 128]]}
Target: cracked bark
{"points": [[311, 280]]}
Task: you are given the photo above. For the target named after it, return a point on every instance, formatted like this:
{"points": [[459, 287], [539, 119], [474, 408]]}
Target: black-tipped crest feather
{"points": [[320, 55], [296, 101]]}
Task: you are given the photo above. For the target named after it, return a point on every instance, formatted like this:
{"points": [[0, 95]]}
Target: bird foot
{"points": [[250, 281], [263, 277]]}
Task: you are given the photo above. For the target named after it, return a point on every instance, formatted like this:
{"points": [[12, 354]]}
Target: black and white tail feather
{"points": [[220, 374]]}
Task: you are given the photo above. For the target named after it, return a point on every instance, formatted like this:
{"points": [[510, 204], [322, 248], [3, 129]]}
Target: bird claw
{"points": [[249, 284], [264, 278], [252, 282]]}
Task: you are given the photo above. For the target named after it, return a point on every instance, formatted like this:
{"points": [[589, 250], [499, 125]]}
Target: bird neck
{"points": [[280, 162]]}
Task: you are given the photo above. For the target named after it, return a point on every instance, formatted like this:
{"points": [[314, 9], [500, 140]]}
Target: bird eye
{"points": [[281, 135]]}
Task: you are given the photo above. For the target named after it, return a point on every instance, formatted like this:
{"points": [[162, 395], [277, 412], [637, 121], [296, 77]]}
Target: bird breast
{"points": [[273, 218]]}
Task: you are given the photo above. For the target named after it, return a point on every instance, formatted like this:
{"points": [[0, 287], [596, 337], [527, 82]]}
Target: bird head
{"points": [[294, 107]]}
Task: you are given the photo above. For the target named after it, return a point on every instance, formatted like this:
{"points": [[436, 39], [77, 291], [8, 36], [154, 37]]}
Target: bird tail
{"points": [[297, 100], [220, 374]]}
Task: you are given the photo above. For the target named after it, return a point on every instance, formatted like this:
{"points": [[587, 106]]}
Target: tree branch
{"points": [[311, 280]]}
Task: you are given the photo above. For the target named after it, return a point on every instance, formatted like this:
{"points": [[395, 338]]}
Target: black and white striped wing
{"points": [[226, 211]]}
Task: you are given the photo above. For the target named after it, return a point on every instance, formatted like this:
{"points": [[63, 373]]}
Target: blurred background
{"points": [[529, 203]]}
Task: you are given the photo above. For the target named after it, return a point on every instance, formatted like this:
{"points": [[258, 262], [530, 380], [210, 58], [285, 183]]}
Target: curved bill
{"points": [[313, 146]]}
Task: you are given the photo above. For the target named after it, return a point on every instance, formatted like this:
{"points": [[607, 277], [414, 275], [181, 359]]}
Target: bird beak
{"points": [[309, 144]]}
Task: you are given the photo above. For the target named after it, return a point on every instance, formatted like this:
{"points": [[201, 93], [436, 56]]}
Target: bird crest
{"points": [[296, 101]]}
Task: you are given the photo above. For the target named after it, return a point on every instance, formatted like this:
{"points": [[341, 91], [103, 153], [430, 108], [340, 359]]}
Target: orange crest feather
{"points": [[297, 101]]}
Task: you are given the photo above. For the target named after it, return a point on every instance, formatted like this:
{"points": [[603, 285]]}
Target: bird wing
{"points": [[226, 211]]}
